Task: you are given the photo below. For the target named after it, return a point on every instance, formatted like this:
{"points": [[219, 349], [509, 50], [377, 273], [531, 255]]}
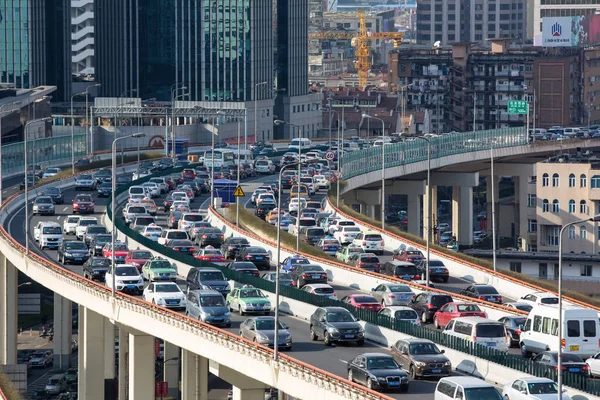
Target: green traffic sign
{"points": [[517, 107]]}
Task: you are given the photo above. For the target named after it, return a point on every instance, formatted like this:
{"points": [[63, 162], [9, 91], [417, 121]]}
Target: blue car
{"points": [[290, 263]]}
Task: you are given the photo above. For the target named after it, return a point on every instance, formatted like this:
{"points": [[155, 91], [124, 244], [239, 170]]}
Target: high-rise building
{"points": [[35, 44], [82, 37], [539, 9]]}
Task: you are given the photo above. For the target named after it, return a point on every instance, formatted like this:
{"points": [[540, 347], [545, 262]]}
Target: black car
{"points": [[122, 180], [105, 189], [232, 246], [91, 232], [263, 209], [98, 242], [377, 371], [103, 175], [570, 362], [181, 245], [336, 324], [31, 180], [513, 329], [95, 268], [244, 267], [81, 162], [201, 183], [73, 252], [55, 194], [427, 304], [165, 163], [312, 235], [207, 278], [483, 292], [437, 270], [209, 236], [148, 165], [256, 255], [304, 274]]}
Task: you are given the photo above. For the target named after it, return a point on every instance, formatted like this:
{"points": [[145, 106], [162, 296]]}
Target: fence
{"points": [[407, 152], [506, 359]]}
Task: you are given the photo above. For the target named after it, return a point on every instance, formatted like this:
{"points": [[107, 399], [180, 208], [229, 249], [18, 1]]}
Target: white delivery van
{"points": [[48, 234], [137, 190], [486, 332], [580, 330], [300, 143], [465, 388]]}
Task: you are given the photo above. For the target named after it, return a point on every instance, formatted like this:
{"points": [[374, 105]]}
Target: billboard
{"points": [[570, 31]]}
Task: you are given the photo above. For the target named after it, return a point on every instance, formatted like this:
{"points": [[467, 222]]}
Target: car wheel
{"points": [[240, 310], [445, 280], [436, 323], [313, 335], [524, 351], [508, 341], [327, 339], [350, 377], [413, 373], [424, 317], [369, 384], [360, 342]]}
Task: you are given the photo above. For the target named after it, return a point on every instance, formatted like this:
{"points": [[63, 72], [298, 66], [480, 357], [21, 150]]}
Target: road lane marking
{"points": [[65, 208]]}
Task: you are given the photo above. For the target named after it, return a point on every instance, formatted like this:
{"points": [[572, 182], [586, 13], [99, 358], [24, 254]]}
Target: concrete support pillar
{"points": [[171, 371], [8, 312], [462, 215], [248, 394], [496, 200], [109, 350], [521, 185], [434, 202], [91, 350], [80, 351], [63, 330], [414, 214], [194, 376], [141, 367], [373, 211], [123, 363]]}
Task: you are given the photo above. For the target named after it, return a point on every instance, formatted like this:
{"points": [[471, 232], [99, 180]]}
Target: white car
{"points": [[294, 201], [127, 279], [322, 182], [310, 183], [162, 184], [172, 234], [534, 299], [139, 174], [301, 223], [181, 205], [264, 196], [50, 172], [264, 167], [153, 188], [347, 234], [181, 196], [166, 294], [320, 289], [136, 198], [82, 225], [594, 364], [339, 224], [403, 313], [152, 232], [256, 193], [70, 224], [532, 388]]}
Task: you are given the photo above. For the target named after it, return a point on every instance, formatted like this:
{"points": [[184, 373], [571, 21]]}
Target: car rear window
{"points": [[573, 329], [136, 210], [369, 259], [489, 330], [346, 223], [52, 230], [406, 314], [313, 268], [439, 301], [324, 290], [141, 255], [373, 238], [487, 290], [315, 232], [144, 221], [549, 300], [307, 222], [364, 299], [406, 270], [177, 235]]}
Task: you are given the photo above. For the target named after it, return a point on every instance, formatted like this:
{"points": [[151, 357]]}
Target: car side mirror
{"points": [[284, 326], [361, 365], [442, 351]]}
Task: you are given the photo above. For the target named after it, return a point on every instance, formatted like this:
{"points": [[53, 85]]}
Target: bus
{"points": [[224, 158]]}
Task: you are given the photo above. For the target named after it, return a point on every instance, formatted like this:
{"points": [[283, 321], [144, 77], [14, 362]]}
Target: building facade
{"points": [[82, 37], [539, 9]]}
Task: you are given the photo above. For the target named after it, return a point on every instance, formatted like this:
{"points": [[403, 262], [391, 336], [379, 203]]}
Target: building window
{"points": [[545, 180], [555, 180], [543, 274], [532, 225], [533, 179], [582, 233], [515, 266], [571, 206], [586, 270], [583, 208], [555, 206], [582, 180], [532, 248], [552, 236], [572, 180], [596, 182], [531, 200], [545, 205], [571, 232]]}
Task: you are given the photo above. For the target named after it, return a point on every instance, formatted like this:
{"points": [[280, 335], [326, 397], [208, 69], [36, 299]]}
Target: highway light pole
{"points": [[255, 116], [113, 202], [26, 179], [175, 97], [87, 108], [239, 165], [595, 218], [10, 107], [367, 116], [73, 132]]}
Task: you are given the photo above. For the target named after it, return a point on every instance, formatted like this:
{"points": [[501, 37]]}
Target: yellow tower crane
{"points": [[361, 42]]}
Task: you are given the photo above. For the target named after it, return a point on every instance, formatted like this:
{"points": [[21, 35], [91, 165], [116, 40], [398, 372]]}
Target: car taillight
{"points": [[417, 277], [585, 367], [391, 296], [364, 243], [323, 275], [248, 257], [382, 244], [221, 236], [518, 332], [360, 263], [563, 343], [481, 297], [474, 338], [430, 306], [499, 298], [305, 275], [204, 236]]}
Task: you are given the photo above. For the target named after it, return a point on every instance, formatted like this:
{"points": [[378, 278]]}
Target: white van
{"points": [[137, 190], [465, 388], [580, 330], [300, 143], [48, 234], [486, 332]]}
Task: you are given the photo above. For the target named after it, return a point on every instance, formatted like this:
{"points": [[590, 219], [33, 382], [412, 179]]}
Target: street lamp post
{"points": [[11, 107], [113, 202], [367, 116], [27, 180], [87, 108], [24, 284], [595, 218], [73, 132], [239, 165], [255, 116], [175, 97]]}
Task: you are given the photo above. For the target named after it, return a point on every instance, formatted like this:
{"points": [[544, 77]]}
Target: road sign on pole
{"points": [[239, 192], [330, 156], [517, 107]]}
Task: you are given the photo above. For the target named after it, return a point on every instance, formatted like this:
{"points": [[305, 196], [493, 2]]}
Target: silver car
{"points": [[43, 205], [392, 294], [208, 306], [262, 331]]}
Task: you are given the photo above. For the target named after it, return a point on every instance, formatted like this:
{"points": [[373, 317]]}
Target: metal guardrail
{"points": [[361, 162], [15, 252]]}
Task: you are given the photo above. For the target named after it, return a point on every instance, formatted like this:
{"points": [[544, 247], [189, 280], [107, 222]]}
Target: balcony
{"points": [[594, 194]]}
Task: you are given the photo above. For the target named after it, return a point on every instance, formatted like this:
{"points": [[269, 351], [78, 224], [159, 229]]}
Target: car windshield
{"points": [[101, 262], [542, 388], [266, 325], [87, 222], [43, 200], [177, 235], [120, 246], [52, 230], [424, 348], [75, 246], [523, 307], [340, 317], [381, 363], [84, 198], [142, 255], [468, 308], [166, 288], [53, 381], [72, 220], [160, 264], [212, 276], [406, 314], [212, 301], [490, 330], [126, 271], [251, 293], [399, 289], [482, 393], [53, 191], [487, 290]]}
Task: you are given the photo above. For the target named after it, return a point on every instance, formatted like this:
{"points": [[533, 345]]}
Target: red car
{"points": [[188, 174], [137, 258], [170, 182], [412, 256], [454, 310], [363, 301], [83, 203], [121, 252], [210, 255]]}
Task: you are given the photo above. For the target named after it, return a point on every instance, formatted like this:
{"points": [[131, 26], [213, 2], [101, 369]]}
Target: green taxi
{"points": [[158, 270], [248, 300], [345, 253]]}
